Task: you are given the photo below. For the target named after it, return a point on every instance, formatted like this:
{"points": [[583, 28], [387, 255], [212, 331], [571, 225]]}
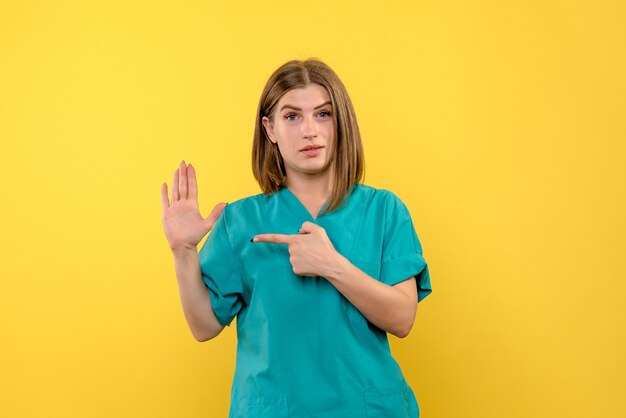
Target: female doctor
{"points": [[317, 269]]}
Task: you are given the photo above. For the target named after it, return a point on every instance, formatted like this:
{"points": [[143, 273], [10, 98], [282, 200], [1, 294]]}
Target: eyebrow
{"points": [[297, 108]]}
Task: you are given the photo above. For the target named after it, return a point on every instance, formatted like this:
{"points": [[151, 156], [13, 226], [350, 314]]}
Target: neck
{"points": [[310, 187]]}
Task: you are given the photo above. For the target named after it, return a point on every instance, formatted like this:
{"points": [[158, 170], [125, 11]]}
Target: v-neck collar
{"points": [[298, 206]]}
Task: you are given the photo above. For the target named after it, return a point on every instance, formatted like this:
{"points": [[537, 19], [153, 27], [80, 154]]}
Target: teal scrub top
{"points": [[303, 350]]}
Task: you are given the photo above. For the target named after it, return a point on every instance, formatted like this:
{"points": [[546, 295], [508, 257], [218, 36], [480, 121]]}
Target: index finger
{"points": [[275, 238]]}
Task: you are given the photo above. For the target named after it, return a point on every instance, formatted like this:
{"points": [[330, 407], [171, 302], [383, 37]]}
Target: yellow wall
{"points": [[500, 124]]}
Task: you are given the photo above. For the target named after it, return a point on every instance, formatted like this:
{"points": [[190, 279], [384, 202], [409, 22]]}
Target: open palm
{"points": [[182, 222]]}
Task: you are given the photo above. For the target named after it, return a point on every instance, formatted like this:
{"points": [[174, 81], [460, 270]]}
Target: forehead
{"points": [[309, 96]]}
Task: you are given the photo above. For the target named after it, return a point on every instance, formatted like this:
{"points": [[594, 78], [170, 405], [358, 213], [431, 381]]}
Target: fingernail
{"points": [[189, 164]]}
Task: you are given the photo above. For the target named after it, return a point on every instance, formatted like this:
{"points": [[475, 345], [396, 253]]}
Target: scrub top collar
{"points": [[298, 207]]}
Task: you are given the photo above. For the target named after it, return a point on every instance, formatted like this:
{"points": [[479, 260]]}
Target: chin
{"points": [[316, 170], [311, 166]]}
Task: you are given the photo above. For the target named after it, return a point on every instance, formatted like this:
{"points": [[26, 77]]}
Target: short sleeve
{"points": [[221, 273], [402, 256]]}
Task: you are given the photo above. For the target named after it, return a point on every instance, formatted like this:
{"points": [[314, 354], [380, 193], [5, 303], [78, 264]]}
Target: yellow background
{"points": [[501, 125]]}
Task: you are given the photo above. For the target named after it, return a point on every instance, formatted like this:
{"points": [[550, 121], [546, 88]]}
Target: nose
{"points": [[309, 127]]}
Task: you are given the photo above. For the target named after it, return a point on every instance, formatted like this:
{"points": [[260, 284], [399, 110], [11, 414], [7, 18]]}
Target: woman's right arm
{"points": [[184, 229], [194, 296]]}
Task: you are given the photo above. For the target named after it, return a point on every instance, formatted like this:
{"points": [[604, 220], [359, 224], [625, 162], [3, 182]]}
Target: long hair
{"points": [[348, 163]]}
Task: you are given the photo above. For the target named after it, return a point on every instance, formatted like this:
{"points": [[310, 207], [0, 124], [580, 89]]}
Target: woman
{"points": [[317, 268]]}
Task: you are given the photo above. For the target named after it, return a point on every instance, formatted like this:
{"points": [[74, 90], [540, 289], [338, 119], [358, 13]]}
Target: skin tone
{"points": [[303, 117]]}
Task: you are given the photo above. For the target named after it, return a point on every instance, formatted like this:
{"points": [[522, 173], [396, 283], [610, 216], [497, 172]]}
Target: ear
{"points": [[269, 129]]}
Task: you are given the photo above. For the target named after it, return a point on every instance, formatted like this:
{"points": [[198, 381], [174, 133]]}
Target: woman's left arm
{"points": [[390, 308]]}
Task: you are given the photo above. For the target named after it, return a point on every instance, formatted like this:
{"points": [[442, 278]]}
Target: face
{"points": [[302, 128]]}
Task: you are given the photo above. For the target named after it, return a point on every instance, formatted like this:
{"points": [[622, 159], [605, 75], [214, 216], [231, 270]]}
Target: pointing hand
{"points": [[310, 252]]}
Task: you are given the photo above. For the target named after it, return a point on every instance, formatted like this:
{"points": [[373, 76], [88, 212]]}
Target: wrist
{"points": [[183, 251], [337, 267]]}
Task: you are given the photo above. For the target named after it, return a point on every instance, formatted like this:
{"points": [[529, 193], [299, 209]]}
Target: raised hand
{"points": [[310, 252], [183, 225]]}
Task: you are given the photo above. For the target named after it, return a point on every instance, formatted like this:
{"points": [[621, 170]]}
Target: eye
{"points": [[289, 115], [325, 113]]}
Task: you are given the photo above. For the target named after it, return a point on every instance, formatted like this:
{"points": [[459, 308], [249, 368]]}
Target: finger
{"points": [[215, 214], [175, 194], [275, 238], [182, 180], [165, 203], [192, 183], [308, 227]]}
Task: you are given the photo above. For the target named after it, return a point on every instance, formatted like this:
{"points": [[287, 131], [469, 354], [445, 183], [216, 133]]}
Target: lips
{"points": [[311, 147], [312, 151]]}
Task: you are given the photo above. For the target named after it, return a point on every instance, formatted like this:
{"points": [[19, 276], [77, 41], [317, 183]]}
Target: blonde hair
{"points": [[348, 164]]}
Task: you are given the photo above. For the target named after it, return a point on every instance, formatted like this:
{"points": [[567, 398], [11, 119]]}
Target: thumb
{"points": [[215, 215]]}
